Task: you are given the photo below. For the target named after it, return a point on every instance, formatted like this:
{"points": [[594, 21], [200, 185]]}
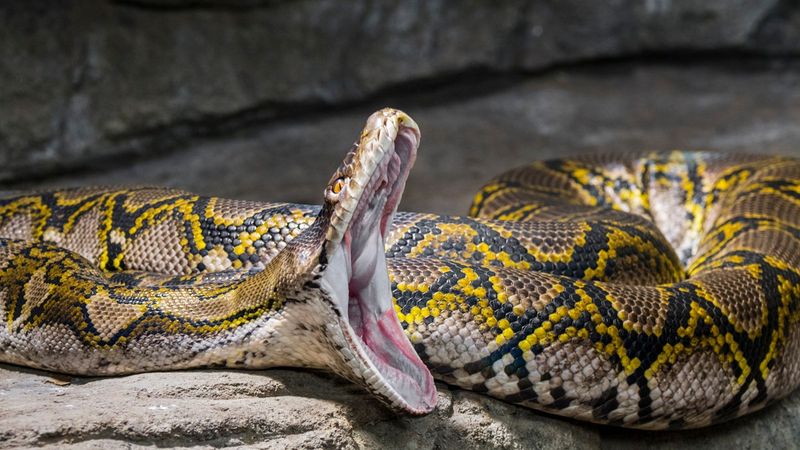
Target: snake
{"points": [[656, 290]]}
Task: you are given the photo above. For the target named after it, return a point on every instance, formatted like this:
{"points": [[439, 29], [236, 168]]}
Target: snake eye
{"points": [[333, 191], [338, 186]]}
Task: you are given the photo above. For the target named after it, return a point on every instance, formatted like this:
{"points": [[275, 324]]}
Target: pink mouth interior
{"points": [[370, 311]]}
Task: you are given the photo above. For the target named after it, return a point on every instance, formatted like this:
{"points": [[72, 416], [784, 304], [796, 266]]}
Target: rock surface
{"points": [[295, 409], [81, 81], [466, 138]]}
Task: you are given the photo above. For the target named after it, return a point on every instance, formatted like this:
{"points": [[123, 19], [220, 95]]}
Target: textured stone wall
{"points": [[87, 80]]}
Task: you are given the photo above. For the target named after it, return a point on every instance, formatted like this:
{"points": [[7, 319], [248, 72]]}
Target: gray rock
{"points": [[86, 81], [466, 139], [272, 409], [298, 409]]}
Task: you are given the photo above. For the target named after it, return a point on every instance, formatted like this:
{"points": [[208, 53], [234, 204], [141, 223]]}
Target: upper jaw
{"points": [[356, 278], [387, 133]]}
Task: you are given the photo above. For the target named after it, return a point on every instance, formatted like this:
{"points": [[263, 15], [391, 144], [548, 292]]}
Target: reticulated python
{"points": [[648, 291]]}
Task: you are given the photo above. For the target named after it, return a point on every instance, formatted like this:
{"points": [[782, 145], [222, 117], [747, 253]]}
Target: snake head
{"points": [[361, 200], [339, 266]]}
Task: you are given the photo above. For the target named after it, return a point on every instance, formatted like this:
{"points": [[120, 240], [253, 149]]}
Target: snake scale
{"points": [[653, 291]]}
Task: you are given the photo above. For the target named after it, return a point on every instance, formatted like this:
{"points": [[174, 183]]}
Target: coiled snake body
{"points": [[652, 291]]}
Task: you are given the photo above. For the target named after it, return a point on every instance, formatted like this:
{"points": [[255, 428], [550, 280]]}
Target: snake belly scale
{"points": [[653, 290]]}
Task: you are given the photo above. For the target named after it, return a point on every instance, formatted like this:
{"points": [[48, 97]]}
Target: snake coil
{"points": [[654, 291]]}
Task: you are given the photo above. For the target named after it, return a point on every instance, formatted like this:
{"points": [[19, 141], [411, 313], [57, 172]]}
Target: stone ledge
{"points": [[300, 409]]}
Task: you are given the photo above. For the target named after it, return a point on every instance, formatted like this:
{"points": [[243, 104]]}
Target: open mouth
{"points": [[358, 282]]}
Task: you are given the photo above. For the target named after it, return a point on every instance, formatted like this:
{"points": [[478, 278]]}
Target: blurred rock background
{"points": [[259, 99]]}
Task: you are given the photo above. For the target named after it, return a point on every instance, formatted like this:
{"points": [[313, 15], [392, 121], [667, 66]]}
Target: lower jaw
{"points": [[393, 370], [390, 366]]}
